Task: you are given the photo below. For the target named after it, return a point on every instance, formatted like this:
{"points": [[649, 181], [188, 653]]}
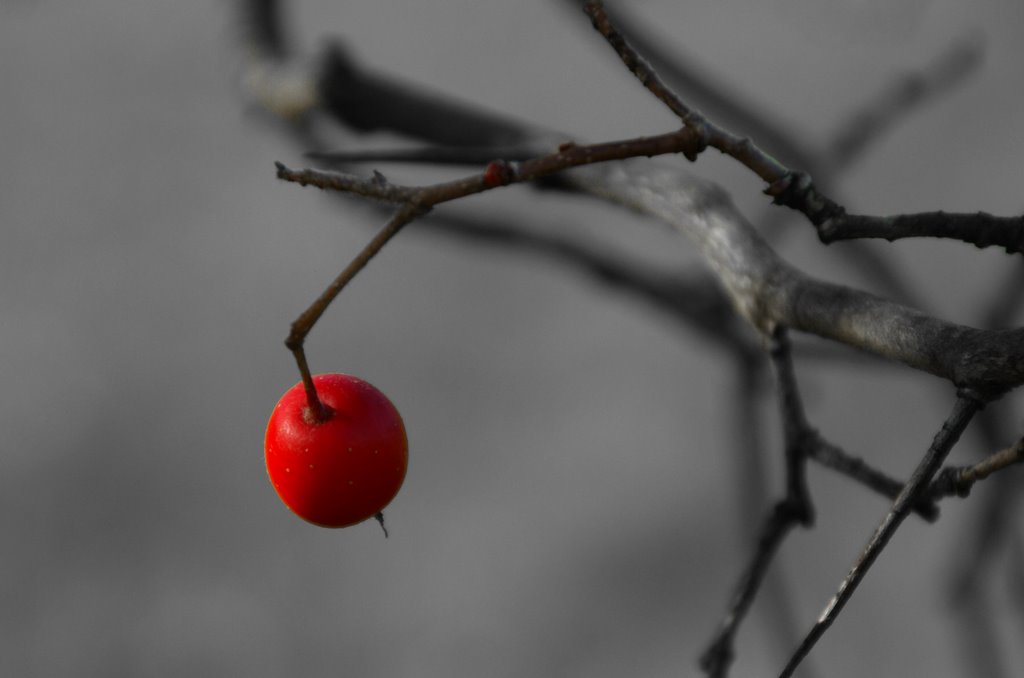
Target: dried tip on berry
{"points": [[380, 519], [498, 173]]}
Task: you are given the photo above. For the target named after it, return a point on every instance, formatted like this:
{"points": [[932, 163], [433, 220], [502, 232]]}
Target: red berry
{"points": [[345, 469]]}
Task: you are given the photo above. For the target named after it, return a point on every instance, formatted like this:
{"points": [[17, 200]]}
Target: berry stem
{"points": [[316, 412], [302, 325]]}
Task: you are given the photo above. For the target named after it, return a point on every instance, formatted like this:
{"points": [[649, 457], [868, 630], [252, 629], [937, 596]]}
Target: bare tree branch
{"points": [[973, 581], [764, 289], [687, 77], [795, 189], [833, 457], [742, 149], [959, 480], [370, 102], [979, 229], [768, 293], [794, 509], [963, 411]]}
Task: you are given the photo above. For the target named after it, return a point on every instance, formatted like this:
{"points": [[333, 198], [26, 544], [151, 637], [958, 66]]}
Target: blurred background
{"points": [[571, 506]]}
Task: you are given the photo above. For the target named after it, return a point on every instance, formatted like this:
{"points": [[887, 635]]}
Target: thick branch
{"points": [[767, 291]]}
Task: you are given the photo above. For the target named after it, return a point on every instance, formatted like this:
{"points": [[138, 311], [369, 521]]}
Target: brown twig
{"points": [[741, 148], [959, 480], [304, 323], [973, 577], [499, 172], [764, 289], [709, 91]]}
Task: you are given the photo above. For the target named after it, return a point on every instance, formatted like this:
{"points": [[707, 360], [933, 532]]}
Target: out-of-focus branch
{"points": [[264, 28], [748, 433], [1007, 300], [833, 457], [367, 102], [430, 155], [794, 509], [339, 87], [695, 299], [904, 94]]}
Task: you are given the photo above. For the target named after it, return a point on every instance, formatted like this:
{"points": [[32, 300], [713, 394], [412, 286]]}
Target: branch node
{"points": [[789, 189], [796, 190], [953, 478], [500, 173], [700, 134]]}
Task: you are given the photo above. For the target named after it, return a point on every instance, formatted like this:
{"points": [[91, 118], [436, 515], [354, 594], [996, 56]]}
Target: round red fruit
{"points": [[341, 470]]}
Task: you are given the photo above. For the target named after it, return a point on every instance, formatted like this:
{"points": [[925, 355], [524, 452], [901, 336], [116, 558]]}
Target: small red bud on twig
{"points": [[498, 173]]}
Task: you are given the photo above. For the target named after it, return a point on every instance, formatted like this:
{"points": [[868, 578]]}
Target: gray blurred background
{"points": [[571, 502]]}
